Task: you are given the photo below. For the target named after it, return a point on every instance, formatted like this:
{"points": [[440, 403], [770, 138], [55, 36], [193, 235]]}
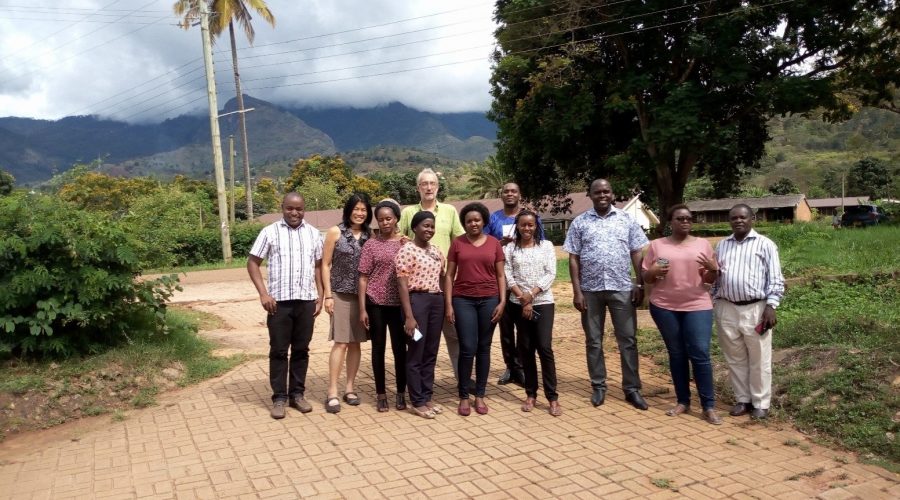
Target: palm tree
{"points": [[487, 179], [225, 12]]}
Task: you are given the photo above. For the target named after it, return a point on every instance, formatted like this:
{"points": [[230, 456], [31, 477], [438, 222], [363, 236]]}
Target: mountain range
{"points": [[34, 150]]}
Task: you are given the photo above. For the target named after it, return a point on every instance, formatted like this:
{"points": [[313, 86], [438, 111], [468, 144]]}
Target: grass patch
{"points": [[664, 483], [837, 348], [39, 394], [812, 473], [562, 270], [236, 262], [816, 249]]}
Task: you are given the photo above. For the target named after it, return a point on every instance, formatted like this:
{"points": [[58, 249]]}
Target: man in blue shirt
{"points": [[501, 226], [602, 243]]}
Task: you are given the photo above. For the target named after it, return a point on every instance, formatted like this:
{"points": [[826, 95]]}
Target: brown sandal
{"points": [[712, 417], [678, 410], [528, 405], [555, 408]]}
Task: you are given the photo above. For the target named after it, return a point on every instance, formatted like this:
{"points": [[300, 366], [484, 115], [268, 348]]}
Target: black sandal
{"points": [[401, 401], [381, 402]]}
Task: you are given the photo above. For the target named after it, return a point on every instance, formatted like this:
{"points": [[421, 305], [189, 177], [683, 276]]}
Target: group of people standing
{"points": [[430, 270]]}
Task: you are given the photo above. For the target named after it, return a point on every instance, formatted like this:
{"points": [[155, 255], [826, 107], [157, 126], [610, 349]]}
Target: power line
{"points": [[107, 42], [82, 36], [57, 8], [63, 29], [432, 55], [568, 43], [358, 41]]}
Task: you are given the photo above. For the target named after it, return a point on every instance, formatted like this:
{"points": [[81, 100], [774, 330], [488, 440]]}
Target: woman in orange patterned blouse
{"points": [[420, 269]]}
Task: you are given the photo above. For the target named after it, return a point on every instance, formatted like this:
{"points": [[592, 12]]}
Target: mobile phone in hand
{"points": [[760, 327]]}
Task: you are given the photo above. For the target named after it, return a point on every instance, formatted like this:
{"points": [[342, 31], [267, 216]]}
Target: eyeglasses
{"points": [[683, 219]]}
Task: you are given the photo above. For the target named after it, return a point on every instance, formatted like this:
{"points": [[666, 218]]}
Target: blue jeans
{"points": [[687, 335], [475, 331]]}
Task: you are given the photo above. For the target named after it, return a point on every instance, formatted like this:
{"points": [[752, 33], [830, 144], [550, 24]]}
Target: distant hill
{"points": [[33, 150]]}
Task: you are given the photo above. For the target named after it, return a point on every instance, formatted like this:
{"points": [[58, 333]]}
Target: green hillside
{"points": [[813, 153]]}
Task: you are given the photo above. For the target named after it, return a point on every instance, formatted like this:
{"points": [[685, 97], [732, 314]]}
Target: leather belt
{"points": [[744, 302]]}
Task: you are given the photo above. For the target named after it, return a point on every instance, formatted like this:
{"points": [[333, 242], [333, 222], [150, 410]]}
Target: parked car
{"points": [[863, 215]]}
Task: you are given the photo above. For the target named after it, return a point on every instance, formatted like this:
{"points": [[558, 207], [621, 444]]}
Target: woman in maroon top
{"points": [[379, 301], [475, 295]]}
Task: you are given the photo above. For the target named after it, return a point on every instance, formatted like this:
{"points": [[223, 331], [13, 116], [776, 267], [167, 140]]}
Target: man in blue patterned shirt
{"points": [[602, 242]]}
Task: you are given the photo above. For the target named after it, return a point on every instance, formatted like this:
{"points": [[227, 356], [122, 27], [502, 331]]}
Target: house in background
{"points": [[324, 219], [786, 208], [828, 207]]}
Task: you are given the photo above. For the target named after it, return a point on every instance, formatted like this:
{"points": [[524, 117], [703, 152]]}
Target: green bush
{"points": [[204, 246], [67, 281]]}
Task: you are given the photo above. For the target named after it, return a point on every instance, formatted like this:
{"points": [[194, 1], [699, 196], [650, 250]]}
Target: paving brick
{"points": [[216, 440]]}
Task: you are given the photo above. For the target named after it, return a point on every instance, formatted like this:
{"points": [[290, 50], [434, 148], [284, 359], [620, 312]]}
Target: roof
{"points": [[324, 219], [725, 204], [836, 202]]}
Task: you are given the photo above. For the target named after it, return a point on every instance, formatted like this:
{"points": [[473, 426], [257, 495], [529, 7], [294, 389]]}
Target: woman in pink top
{"points": [[681, 267]]}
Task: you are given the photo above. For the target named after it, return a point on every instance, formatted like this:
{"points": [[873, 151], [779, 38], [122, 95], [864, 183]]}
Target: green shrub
{"points": [[204, 246], [67, 280]]}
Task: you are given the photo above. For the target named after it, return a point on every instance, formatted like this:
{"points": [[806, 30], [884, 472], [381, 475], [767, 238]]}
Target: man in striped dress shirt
{"points": [[293, 249], [748, 290]]}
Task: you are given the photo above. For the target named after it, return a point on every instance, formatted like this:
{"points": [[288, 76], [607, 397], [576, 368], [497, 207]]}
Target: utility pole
{"points": [[242, 121], [214, 130], [231, 173]]}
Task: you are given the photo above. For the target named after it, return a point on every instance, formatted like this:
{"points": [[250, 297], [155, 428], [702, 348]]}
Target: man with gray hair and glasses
{"points": [[446, 227]]}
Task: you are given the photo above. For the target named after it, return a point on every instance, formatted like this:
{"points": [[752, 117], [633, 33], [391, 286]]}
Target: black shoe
{"points": [[598, 397], [636, 400], [759, 414], [740, 409], [518, 377], [505, 378]]}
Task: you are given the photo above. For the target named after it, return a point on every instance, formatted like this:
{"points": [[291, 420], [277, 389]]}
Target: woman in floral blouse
{"points": [[420, 268], [340, 279]]}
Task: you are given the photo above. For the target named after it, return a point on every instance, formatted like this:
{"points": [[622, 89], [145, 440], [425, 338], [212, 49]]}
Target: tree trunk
{"points": [[242, 120]]}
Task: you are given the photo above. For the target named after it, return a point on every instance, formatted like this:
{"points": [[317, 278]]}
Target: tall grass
{"points": [[815, 249]]}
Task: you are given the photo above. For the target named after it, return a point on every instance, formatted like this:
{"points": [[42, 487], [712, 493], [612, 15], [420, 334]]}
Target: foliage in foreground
{"points": [[67, 281], [837, 379], [123, 377]]}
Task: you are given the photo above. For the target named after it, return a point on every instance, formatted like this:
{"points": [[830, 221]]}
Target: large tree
{"points": [[224, 14], [649, 92]]}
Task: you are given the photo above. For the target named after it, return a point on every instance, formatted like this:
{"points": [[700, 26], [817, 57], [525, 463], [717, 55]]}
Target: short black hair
{"points": [[351, 203], [388, 204], [675, 208], [474, 207], [746, 207], [420, 217]]}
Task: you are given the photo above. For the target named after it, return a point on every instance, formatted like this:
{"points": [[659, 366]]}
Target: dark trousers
{"points": [[624, 319], [382, 319], [290, 328], [475, 330], [421, 355], [687, 335], [508, 341], [536, 336]]}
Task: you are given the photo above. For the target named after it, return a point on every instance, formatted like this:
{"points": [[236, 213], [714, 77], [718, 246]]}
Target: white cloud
{"points": [[60, 66]]}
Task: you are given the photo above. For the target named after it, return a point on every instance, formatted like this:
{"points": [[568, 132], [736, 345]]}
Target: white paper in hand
{"points": [[417, 335]]}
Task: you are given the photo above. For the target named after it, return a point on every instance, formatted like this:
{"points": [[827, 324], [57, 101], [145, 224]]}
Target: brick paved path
{"points": [[216, 440]]}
